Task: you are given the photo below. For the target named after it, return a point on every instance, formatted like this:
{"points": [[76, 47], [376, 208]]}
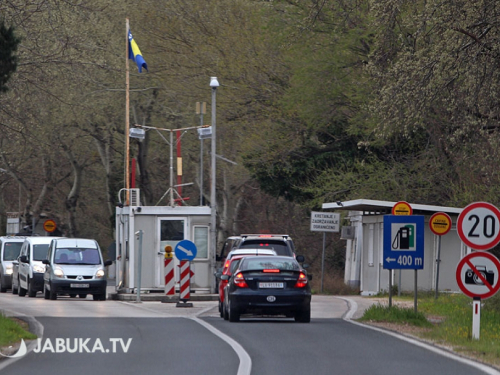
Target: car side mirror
{"points": [[46, 261], [305, 266], [309, 277], [300, 258], [218, 274], [225, 277], [23, 259], [108, 263]]}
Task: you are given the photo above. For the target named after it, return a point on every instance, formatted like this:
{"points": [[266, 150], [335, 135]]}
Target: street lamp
{"points": [[213, 199]]}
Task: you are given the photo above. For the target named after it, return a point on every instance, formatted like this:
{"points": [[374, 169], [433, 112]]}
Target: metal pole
{"points": [[323, 262], [213, 199], [171, 170], [201, 156], [139, 267], [415, 293], [399, 284], [390, 288], [438, 261]]}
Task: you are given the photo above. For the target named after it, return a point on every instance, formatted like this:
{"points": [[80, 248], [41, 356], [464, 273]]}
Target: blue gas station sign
{"points": [[403, 242]]}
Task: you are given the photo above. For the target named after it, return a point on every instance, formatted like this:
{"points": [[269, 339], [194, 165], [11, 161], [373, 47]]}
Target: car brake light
{"points": [[271, 271], [265, 236], [302, 281], [239, 281]]}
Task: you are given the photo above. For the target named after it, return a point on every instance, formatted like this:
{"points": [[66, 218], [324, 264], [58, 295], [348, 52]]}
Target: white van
{"points": [[10, 247], [74, 266], [28, 272]]}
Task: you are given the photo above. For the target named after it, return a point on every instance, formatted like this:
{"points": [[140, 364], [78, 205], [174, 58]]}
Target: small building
{"points": [[161, 226], [364, 248]]}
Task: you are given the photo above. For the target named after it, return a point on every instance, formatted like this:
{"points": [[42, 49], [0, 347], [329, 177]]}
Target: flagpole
{"points": [[127, 113]]}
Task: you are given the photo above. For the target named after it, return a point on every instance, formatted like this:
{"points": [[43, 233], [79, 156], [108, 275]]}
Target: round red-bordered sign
{"points": [[478, 226], [440, 223], [477, 274], [49, 226], [402, 208]]}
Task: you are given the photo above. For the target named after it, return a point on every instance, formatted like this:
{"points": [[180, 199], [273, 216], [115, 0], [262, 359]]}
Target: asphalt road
{"points": [[112, 337]]}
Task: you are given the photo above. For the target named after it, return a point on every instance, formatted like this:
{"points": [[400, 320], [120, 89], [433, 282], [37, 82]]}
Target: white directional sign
{"points": [[325, 222], [479, 226]]}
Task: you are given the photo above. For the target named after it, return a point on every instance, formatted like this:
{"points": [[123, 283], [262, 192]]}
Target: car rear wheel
{"points": [[52, 294], [31, 290], [2, 288], [72, 295], [82, 295], [234, 314], [14, 288], [20, 291], [225, 315], [304, 315], [46, 293], [99, 297], [220, 309]]}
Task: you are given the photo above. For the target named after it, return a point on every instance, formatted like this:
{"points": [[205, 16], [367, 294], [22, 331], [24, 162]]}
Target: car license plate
{"points": [[79, 285], [271, 285]]}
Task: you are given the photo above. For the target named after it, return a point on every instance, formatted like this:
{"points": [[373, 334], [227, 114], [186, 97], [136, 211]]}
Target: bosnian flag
{"points": [[134, 53]]}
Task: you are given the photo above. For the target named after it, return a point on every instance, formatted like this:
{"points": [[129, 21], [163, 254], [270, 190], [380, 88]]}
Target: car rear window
{"points": [[280, 247], [11, 250], [265, 263]]}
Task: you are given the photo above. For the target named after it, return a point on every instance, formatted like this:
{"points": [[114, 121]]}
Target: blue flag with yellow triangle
{"points": [[135, 54]]}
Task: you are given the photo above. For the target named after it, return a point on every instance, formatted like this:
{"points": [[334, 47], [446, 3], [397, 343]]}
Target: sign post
{"points": [[477, 276], [440, 224], [403, 246], [324, 222], [169, 272], [185, 251]]}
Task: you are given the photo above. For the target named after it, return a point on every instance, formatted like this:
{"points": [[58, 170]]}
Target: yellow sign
{"points": [[49, 226], [440, 223], [402, 208], [168, 251]]}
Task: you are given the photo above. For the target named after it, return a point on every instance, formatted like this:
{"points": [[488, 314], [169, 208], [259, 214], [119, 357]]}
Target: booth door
{"points": [[172, 231]]}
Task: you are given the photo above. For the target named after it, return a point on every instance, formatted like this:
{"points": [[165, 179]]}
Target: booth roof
{"points": [[369, 206]]}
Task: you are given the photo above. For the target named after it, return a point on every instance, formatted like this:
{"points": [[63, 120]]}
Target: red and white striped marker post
{"points": [[169, 272], [185, 284]]}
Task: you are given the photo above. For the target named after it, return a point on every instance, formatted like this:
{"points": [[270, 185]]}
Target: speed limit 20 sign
{"points": [[479, 226]]}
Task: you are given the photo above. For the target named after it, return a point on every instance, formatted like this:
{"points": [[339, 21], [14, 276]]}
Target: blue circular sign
{"points": [[185, 250]]}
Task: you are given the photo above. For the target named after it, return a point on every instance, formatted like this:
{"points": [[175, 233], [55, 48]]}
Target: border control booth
{"points": [[161, 226], [364, 235]]}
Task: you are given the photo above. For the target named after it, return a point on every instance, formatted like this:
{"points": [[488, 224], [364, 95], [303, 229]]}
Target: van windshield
{"points": [[77, 256], [11, 250], [40, 251]]}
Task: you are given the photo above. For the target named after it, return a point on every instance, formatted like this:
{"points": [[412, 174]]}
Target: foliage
{"points": [[11, 332], [394, 314], [8, 60]]}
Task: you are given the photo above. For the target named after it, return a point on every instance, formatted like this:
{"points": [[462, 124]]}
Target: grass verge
{"points": [[13, 330], [447, 322]]}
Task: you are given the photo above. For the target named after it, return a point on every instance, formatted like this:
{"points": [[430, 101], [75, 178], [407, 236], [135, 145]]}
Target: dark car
{"points": [[268, 285]]}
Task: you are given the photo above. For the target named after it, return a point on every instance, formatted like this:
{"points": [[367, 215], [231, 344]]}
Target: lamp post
{"points": [[213, 199]]}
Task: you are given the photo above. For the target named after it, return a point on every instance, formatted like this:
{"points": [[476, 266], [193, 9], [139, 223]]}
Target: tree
{"points": [[8, 60]]}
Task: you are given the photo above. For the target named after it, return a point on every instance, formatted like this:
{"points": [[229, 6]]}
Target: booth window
{"points": [[172, 230], [201, 241]]}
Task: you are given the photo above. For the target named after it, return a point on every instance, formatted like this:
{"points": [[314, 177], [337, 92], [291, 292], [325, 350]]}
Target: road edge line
{"points": [[353, 306]]}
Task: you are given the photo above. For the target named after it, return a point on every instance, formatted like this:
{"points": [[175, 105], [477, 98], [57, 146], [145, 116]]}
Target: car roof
{"points": [[250, 251], [77, 242], [265, 235], [13, 238], [40, 240]]}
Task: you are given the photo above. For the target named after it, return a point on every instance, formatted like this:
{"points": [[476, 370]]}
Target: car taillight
{"points": [[239, 281], [302, 281], [226, 266]]}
